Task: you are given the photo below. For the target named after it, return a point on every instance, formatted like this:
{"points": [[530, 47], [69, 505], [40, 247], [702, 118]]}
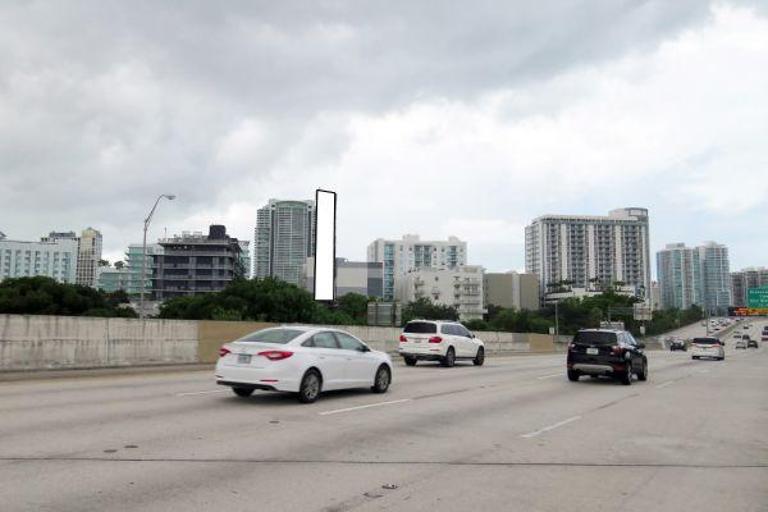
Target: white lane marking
{"points": [[550, 427], [550, 376], [665, 384], [201, 392], [359, 407]]}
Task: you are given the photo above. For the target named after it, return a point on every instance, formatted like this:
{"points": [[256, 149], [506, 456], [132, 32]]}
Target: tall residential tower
{"points": [[284, 239], [590, 251]]}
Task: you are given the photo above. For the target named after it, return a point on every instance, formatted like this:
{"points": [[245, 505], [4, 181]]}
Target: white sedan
{"points": [[303, 360]]}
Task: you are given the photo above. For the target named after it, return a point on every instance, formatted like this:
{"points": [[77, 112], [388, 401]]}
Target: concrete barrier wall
{"points": [[29, 342]]}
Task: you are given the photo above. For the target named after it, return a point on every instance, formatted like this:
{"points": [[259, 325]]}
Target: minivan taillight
{"points": [[276, 355], [224, 351], [435, 339], [403, 339]]}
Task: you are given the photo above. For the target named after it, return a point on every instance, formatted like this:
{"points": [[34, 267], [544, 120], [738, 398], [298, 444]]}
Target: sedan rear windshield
{"points": [[595, 338], [421, 328], [278, 336], [706, 341]]}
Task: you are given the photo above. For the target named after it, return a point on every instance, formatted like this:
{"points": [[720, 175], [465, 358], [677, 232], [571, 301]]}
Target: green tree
{"points": [[355, 306], [426, 309]]}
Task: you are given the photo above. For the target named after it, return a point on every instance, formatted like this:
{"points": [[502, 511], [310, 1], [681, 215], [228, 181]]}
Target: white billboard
{"points": [[325, 245]]}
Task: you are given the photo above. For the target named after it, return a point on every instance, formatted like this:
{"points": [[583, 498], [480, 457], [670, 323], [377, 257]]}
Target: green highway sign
{"points": [[757, 297]]}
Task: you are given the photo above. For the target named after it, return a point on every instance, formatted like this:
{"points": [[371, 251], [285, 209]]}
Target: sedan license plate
{"points": [[244, 359], [593, 351]]}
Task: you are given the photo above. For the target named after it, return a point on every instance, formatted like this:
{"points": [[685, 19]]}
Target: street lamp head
{"points": [[170, 196]]}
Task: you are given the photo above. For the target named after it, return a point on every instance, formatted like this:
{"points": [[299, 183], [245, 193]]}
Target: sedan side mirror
{"points": [[364, 349], [640, 344]]}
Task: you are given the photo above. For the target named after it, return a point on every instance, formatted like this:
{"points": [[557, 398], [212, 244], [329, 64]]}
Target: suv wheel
{"points": [[642, 375], [480, 357], [410, 361], [449, 359], [243, 392], [626, 379], [573, 375]]}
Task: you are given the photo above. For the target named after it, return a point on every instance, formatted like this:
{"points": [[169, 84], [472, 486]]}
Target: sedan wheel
{"points": [[382, 380], [310, 387], [643, 375]]}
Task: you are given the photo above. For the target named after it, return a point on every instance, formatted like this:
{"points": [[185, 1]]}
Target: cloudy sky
{"points": [[430, 117]]}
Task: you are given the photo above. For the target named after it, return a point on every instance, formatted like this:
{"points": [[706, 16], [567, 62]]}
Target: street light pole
{"points": [[143, 285]]}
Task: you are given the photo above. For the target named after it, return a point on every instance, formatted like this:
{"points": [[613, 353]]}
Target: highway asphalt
{"points": [[511, 435]]}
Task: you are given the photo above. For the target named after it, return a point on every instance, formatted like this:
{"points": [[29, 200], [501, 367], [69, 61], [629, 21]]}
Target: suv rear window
{"points": [[279, 336], [595, 338], [706, 341], [420, 328]]}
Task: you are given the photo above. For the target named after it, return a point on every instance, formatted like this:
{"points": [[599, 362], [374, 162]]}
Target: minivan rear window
{"points": [[278, 336], [595, 338], [420, 328], [706, 341]]}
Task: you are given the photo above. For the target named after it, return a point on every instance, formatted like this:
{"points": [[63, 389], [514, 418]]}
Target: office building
{"points": [[284, 238], [679, 272], [403, 256], [363, 277], [194, 263], [460, 287], [52, 258], [590, 252], [511, 290], [745, 279], [716, 277]]}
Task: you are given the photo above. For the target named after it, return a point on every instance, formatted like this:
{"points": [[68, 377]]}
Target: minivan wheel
{"points": [[381, 380], [243, 392], [643, 374], [410, 361], [626, 379], [479, 357], [449, 359], [310, 387], [573, 375]]}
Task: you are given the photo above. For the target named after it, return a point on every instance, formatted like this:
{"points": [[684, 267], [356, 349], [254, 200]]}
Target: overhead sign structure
{"points": [[757, 297], [325, 245]]}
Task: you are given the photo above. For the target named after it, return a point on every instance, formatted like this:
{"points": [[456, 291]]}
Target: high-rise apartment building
{"points": [[716, 277], [590, 251], [52, 258], [195, 263], [460, 287], [283, 239], [134, 257], [745, 279], [89, 245], [402, 256], [698, 275], [679, 273]]}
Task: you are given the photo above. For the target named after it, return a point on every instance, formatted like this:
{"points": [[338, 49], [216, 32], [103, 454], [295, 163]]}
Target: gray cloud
{"points": [[104, 104]]}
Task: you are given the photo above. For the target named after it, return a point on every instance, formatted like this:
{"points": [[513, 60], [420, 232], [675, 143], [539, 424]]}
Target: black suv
{"points": [[606, 352]]}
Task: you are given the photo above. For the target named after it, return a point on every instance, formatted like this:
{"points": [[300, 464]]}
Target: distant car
{"points": [[302, 360], [751, 343], [678, 344], [608, 352], [737, 335], [710, 348], [443, 341], [740, 343]]}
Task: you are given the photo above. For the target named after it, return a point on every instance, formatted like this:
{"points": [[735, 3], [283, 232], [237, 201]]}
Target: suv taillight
{"points": [[571, 347], [276, 355], [223, 351], [435, 339], [617, 350], [403, 339]]}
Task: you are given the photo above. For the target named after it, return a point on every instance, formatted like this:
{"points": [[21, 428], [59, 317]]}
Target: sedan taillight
{"points": [[435, 339], [276, 355], [223, 351]]}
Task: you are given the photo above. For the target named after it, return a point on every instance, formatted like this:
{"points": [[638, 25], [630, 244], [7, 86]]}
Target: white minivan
{"points": [[437, 340]]}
